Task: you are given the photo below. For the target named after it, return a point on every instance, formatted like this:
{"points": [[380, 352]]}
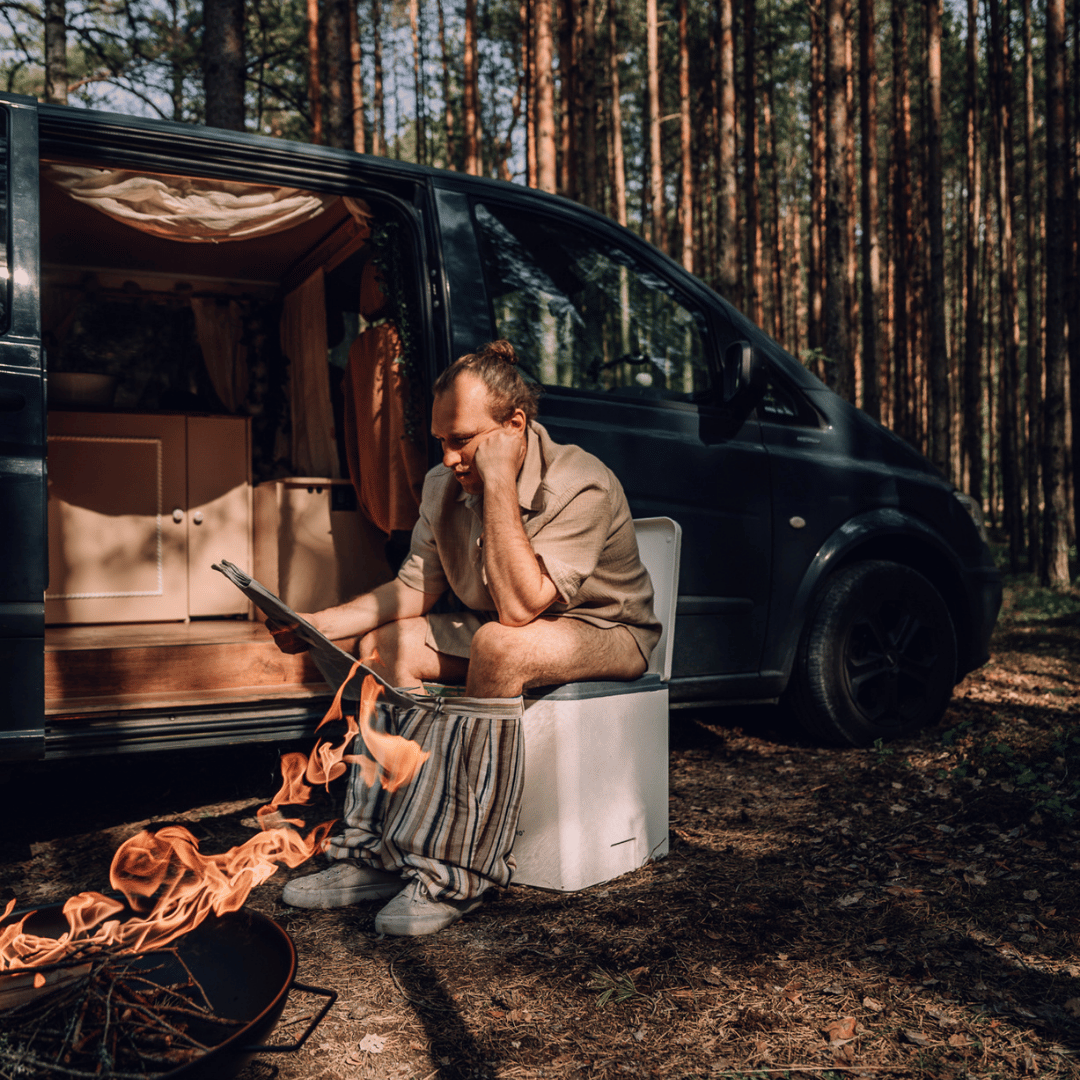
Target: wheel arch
{"points": [[881, 534]]}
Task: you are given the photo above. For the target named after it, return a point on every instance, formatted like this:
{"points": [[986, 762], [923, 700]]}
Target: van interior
{"points": [[196, 334]]}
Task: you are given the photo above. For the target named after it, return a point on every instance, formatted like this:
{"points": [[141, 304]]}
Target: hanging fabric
{"points": [[219, 326]]}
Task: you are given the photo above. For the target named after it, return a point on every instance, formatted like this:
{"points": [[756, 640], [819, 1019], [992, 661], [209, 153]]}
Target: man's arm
{"points": [[390, 602], [517, 583]]}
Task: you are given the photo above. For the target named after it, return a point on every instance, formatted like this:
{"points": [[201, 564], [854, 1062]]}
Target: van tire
{"points": [[877, 658]]}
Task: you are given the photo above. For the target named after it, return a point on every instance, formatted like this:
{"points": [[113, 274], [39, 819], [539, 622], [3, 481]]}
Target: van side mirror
{"points": [[744, 374]]}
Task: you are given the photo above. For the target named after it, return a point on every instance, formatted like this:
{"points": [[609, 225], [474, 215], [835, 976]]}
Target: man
{"points": [[536, 541]]}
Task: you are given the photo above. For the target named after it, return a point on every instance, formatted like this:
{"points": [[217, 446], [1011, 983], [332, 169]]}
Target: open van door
{"points": [[23, 531]]}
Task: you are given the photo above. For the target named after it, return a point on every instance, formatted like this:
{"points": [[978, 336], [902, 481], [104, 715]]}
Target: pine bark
{"points": [[590, 193], [618, 161], [528, 63], [751, 166], [902, 388], [378, 134], [840, 372], [568, 98], [56, 65], [686, 161], [545, 100], [872, 341], [472, 97], [447, 90], [655, 177], [816, 224], [223, 62], [335, 26], [1055, 562], [356, 81], [727, 176], [940, 411], [418, 82], [972, 425], [315, 103]]}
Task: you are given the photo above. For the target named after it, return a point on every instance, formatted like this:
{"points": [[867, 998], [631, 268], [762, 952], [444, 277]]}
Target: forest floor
{"points": [[907, 910]]}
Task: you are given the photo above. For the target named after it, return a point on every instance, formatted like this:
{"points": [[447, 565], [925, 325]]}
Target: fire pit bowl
{"points": [[245, 964]]}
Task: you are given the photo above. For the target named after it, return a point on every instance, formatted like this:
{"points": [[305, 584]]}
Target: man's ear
{"points": [[518, 421]]}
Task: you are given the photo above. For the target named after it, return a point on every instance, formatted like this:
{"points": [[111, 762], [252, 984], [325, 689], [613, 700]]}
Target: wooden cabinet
{"points": [[139, 507]]}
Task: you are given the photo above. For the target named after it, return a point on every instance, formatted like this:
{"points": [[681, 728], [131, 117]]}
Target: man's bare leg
{"points": [[406, 660], [548, 651]]}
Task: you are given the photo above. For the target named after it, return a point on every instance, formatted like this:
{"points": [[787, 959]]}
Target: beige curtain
{"points": [[303, 340], [219, 327], [188, 209]]}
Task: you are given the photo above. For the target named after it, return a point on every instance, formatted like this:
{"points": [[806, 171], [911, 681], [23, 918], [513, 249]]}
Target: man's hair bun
{"points": [[499, 350]]}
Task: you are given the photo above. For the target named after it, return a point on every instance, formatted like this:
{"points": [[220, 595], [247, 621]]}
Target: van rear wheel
{"points": [[877, 659]]}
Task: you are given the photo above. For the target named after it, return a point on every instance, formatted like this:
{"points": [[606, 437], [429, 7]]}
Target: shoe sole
{"points": [[325, 898], [418, 928]]}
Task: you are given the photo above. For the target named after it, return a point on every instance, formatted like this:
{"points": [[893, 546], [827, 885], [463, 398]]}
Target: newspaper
{"points": [[334, 663]]}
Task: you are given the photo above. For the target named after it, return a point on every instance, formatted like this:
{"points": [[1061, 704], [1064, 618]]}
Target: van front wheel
{"points": [[877, 659]]}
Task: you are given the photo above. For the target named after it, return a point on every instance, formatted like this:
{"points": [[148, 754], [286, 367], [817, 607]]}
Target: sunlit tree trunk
{"points": [[56, 65], [727, 174], [472, 98], [872, 338], [1055, 562], [751, 166], [545, 100], [940, 450], [568, 98], [686, 163], [618, 163], [776, 239], [338, 73], [447, 89], [840, 373], [378, 134], [972, 425], [588, 103], [314, 79], [654, 187], [418, 82], [356, 81]]}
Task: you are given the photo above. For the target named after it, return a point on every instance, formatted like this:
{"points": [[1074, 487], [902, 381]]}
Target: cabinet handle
{"points": [[197, 517], [178, 515]]}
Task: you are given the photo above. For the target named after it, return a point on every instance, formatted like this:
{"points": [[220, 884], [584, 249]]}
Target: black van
{"points": [[824, 561]]}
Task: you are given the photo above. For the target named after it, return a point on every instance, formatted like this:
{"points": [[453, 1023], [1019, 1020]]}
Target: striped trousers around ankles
{"points": [[453, 826]]}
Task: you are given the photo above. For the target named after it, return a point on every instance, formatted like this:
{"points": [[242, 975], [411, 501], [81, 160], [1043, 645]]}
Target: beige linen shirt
{"points": [[577, 519]]}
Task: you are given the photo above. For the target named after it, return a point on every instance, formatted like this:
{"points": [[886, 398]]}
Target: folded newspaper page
{"points": [[334, 663]]}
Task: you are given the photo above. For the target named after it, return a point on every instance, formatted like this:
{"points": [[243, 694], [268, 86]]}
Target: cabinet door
{"points": [[117, 528], [219, 512]]}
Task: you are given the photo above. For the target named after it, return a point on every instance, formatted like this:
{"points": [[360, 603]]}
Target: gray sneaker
{"points": [[346, 882], [413, 912]]}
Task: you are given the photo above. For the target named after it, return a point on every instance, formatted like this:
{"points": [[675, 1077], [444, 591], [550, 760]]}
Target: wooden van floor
{"points": [[90, 669]]}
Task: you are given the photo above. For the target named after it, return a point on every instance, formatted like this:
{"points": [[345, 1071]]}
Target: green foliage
{"points": [[614, 988]]}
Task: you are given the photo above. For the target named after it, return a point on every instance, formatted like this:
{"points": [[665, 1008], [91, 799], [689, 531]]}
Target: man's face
{"points": [[459, 418]]}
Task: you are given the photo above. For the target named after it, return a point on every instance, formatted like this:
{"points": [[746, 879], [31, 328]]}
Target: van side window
{"points": [[583, 312], [5, 259], [782, 404]]}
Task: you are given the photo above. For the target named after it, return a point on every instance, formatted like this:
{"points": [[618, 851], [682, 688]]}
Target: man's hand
{"points": [[499, 455], [283, 635]]}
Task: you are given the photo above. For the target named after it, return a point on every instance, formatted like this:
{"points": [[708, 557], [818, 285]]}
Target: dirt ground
{"points": [[907, 910]]}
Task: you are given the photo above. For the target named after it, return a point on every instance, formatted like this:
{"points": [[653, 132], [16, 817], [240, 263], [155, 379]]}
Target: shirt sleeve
{"points": [[423, 568], [570, 544]]}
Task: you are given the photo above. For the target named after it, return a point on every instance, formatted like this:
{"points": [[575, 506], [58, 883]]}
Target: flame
{"points": [[171, 887]]}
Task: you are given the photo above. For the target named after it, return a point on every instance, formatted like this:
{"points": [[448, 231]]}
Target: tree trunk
{"points": [[727, 173], [902, 241], [973, 444], [568, 99], [545, 100], [851, 253], [356, 81], [223, 61], [418, 81], [528, 60], [1055, 562], [56, 65], [314, 79], [378, 134], [816, 266], [872, 340], [656, 183], [1001, 98], [839, 372], [472, 97], [1033, 352], [618, 163], [686, 160], [776, 240], [338, 73], [588, 104], [940, 450], [751, 166], [447, 89]]}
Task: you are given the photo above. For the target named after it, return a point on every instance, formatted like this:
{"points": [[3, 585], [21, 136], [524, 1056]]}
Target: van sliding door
{"points": [[22, 439]]}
